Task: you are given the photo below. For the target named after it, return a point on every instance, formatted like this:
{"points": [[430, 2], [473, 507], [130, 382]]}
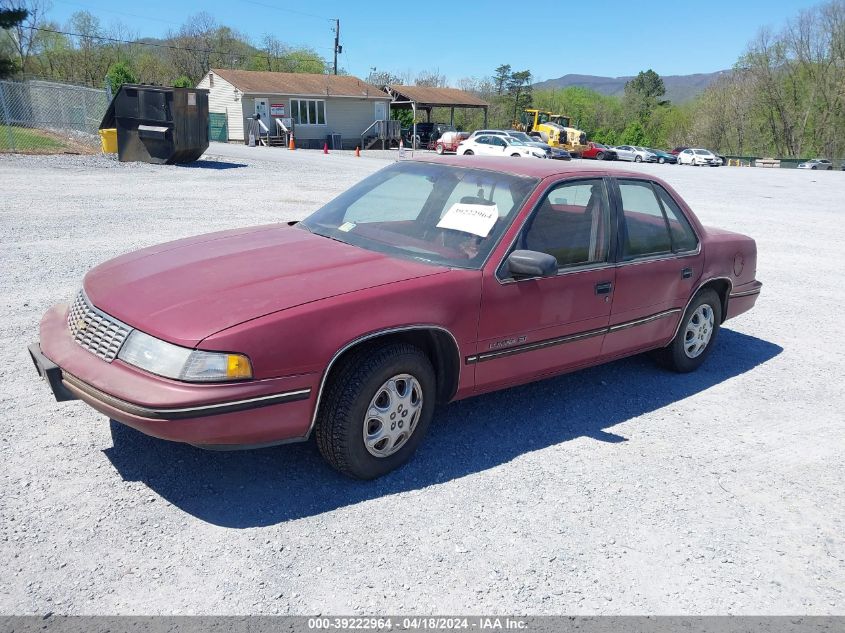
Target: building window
{"points": [[211, 80], [308, 111]]}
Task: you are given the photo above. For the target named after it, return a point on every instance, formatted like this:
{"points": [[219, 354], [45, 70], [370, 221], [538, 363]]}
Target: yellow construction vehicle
{"points": [[554, 129]]}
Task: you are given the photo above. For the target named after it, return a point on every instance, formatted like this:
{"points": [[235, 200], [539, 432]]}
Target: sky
{"points": [[469, 39]]}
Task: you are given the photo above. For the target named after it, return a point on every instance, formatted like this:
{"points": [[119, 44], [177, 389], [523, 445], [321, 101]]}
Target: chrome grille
{"points": [[95, 330]]}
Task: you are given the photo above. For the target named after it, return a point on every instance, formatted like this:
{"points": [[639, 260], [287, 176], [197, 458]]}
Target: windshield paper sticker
{"points": [[477, 219], [346, 227]]}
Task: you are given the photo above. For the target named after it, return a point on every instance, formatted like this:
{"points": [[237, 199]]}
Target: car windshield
{"points": [[522, 136], [438, 214], [702, 152], [600, 146]]}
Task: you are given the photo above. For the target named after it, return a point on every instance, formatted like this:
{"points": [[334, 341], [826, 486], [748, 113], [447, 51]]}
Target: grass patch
{"points": [[28, 140]]}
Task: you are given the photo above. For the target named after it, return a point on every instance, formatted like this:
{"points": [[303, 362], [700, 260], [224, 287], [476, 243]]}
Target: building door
{"points": [[263, 109], [381, 110]]}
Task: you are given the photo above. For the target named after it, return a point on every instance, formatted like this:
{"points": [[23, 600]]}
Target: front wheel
{"points": [[514, 155], [696, 336], [661, 160], [600, 156], [377, 408]]}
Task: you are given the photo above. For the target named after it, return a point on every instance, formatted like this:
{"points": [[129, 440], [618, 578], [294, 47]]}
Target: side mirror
{"points": [[532, 264]]}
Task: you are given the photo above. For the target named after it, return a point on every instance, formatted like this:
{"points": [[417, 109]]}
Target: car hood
{"points": [[187, 290]]}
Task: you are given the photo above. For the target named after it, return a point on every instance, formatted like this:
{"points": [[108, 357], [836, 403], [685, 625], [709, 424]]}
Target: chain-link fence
{"points": [[46, 117]]}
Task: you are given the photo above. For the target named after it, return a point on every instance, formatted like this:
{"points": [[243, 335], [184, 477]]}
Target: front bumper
{"points": [[231, 415]]}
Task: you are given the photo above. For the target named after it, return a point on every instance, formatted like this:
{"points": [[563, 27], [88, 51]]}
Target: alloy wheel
{"points": [[393, 414], [698, 331]]}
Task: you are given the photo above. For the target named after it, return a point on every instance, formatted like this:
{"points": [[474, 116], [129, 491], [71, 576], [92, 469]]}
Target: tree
{"points": [[10, 18], [519, 90], [501, 77], [431, 78], [120, 74], [183, 82], [642, 95], [23, 33]]}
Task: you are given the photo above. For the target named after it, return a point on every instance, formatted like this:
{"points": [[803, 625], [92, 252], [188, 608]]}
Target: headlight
{"points": [[180, 363]]}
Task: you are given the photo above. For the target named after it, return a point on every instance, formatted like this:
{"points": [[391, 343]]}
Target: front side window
{"points": [[572, 224], [308, 111], [432, 213]]}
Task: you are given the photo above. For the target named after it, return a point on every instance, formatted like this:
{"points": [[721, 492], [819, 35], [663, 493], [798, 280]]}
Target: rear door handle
{"points": [[686, 273], [603, 288]]}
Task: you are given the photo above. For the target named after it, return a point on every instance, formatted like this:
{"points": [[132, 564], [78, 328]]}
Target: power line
{"points": [[287, 10], [131, 15], [103, 38]]}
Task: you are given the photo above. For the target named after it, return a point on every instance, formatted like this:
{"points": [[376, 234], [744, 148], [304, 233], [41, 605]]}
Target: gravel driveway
{"points": [[620, 489]]}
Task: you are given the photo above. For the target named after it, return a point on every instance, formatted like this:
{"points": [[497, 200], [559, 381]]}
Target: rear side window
{"points": [[654, 224], [646, 232], [683, 237]]}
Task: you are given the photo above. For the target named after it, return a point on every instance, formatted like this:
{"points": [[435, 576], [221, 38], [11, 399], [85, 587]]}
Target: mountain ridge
{"points": [[679, 88]]}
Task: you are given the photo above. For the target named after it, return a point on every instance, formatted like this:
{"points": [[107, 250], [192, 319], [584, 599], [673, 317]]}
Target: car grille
{"points": [[95, 330]]}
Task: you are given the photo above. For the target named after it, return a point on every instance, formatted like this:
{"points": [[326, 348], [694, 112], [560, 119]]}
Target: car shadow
{"points": [[211, 164], [264, 487]]}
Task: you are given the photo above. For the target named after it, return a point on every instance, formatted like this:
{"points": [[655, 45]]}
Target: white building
{"points": [[316, 105]]}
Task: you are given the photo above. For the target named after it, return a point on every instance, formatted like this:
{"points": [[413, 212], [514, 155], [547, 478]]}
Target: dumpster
{"points": [[158, 124]]}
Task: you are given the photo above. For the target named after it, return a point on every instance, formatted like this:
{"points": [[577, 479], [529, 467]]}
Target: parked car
{"points": [[428, 133], [678, 150], [399, 294], [448, 142], [698, 156], [664, 157], [635, 154], [557, 153], [816, 163], [497, 145], [531, 141], [598, 151]]}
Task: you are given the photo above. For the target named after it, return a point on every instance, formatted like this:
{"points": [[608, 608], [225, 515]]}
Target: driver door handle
{"points": [[603, 288]]}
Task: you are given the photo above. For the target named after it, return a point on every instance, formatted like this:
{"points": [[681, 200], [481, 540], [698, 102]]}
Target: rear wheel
{"points": [[661, 160], [377, 408], [638, 159], [696, 336], [468, 152], [514, 155], [439, 148]]}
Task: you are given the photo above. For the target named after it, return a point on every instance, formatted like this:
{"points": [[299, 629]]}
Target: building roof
{"points": [[437, 97], [305, 84]]}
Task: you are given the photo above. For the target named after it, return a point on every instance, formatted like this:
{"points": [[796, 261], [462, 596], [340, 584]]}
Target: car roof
{"points": [[531, 168]]}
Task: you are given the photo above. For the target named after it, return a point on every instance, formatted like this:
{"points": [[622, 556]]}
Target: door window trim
{"points": [[622, 230], [569, 270]]}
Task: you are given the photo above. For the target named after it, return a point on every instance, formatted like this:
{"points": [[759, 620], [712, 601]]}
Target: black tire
{"points": [[342, 414], [638, 159], [673, 356], [661, 160], [600, 156], [514, 155], [469, 152], [439, 148]]}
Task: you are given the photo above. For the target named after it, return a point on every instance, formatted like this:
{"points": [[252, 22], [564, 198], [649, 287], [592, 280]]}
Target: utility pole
{"points": [[337, 47]]}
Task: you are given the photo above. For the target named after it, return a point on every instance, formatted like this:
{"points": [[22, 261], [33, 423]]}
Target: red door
{"points": [[541, 326], [659, 269]]}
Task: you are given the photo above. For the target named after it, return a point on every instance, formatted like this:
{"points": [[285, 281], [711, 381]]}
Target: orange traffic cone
{"points": [[357, 151], [291, 145], [325, 148]]}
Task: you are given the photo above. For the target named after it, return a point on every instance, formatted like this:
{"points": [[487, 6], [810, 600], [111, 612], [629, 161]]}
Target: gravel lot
{"points": [[620, 489]]}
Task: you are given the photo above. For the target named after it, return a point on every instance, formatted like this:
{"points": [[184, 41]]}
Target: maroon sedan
{"points": [[427, 282]]}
